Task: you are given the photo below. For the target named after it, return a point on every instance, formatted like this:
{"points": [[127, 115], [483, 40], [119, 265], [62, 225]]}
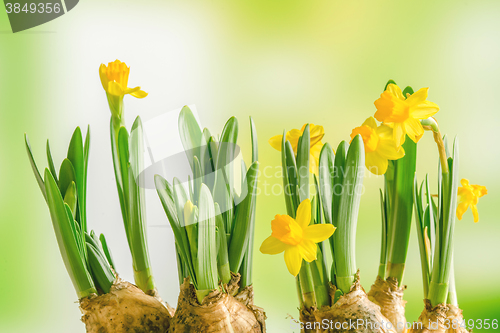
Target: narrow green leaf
{"points": [[345, 235], [255, 145], [101, 272], [51, 162], [107, 251], [222, 255], [207, 253], [70, 197], [166, 194], [61, 220], [326, 173], [242, 224], [289, 200], [75, 155], [303, 149], [293, 179], [34, 167], [190, 133], [67, 175]]}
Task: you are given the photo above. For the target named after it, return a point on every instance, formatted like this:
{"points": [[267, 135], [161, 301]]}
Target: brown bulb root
{"points": [[220, 312], [439, 319], [125, 308], [387, 295], [353, 313]]}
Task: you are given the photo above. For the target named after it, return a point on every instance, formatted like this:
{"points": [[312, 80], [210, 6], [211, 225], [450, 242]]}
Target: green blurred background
{"points": [[283, 62]]}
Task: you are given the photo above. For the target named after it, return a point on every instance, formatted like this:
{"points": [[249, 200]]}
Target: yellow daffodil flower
{"points": [[468, 196], [296, 237], [403, 113], [379, 145], [114, 79], [316, 134]]}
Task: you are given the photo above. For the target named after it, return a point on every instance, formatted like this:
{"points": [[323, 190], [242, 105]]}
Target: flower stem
{"points": [[307, 285]]}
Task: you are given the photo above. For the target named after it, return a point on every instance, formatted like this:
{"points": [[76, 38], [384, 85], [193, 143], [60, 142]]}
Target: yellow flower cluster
{"points": [[400, 116]]}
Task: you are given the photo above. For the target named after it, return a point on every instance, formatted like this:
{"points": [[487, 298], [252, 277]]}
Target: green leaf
{"points": [[166, 194], [293, 179], [255, 145], [242, 224], [345, 235], [51, 162], [197, 180], [107, 251], [190, 133], [222, 255], [61, 221], [75, 155], [207, 252], [101, 272], [289, 200], [34, 167], [86, 149], [339, 171], [326, 174], [303, 149], [67, 175], [70, 197]]}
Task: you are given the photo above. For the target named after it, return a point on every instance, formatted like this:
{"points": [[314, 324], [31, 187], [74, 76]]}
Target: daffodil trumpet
{"points": [[213, 225], [127, 154], [107, 303]]}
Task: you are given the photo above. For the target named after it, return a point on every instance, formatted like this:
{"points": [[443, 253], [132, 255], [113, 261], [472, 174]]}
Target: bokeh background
{"points": [[283, 62]]}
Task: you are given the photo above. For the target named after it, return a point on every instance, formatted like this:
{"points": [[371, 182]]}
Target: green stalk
{"points": [[401, 209], [127, 153], [307, 285], [222, 256], [383, 248], [443, 257]]}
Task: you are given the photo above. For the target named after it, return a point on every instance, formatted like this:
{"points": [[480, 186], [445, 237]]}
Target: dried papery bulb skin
{"points": [[432, 319], [353, 313], [308, 320], [387, 295], [125, 308], [219, 312], [455, 320]]}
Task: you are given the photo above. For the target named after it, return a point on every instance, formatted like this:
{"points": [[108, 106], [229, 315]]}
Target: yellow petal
{"points": [[423, 110], [413, 129], [304, 213], [131, 90], [389, 150], [475, 213], [276, 142], [293, 260], [375, 163], [461, 209], [318, 232], [418, 97], [308, 250], [272, 245], [396, 91], [103, 77], [139, 94], [370, 122], [115, 89], [314, 158], [464, 182], [399, 134]]}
